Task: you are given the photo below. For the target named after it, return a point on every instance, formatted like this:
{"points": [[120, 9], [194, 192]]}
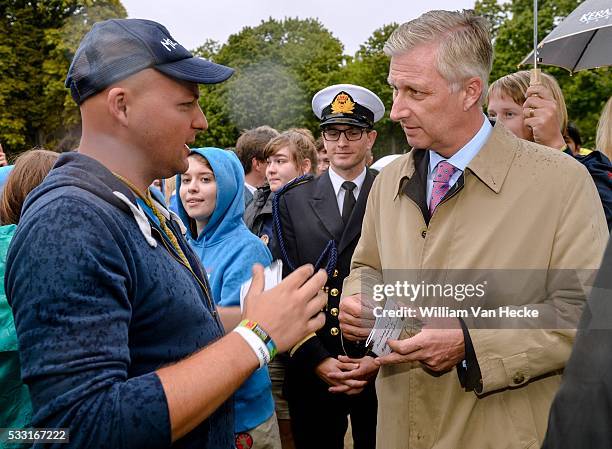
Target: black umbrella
{"points": [[582, 41]]}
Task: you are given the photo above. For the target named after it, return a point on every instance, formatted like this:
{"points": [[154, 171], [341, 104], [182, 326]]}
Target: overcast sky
{"points": [[191, 22]]}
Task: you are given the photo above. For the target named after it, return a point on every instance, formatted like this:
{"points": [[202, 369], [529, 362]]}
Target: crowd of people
{"points": [[158, 295]]}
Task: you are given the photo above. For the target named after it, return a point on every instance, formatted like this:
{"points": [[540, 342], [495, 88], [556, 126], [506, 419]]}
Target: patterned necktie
{"points": [[442, 175], [349, 200]]}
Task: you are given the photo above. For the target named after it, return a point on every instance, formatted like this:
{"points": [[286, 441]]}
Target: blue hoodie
{"points": [[228, 251], [101, 302], [4, 174]]}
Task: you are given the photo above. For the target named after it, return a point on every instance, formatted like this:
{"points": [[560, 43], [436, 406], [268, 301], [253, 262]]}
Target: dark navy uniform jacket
{"points": [[310, 219]]}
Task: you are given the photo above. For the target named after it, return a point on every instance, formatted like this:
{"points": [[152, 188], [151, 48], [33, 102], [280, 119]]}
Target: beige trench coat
{"points": [[522, 206]]}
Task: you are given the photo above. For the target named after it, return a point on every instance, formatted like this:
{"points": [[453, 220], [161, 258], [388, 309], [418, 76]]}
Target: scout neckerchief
{"points": [[146, 202]]}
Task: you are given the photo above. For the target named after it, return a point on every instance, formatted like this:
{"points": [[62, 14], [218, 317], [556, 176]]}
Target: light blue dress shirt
{"points": [[461, 158]]}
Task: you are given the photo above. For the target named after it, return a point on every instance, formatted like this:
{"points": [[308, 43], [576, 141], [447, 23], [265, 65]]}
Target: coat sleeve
{"points": [[68, 283], [580, 413], [366, 267], [511, 357]]}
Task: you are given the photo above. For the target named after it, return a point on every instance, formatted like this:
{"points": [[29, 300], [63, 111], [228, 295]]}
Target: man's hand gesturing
{"points": [[291, 310]]}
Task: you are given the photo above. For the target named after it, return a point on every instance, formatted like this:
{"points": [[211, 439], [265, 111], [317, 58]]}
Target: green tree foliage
{"points": [[66, 130], [370, 68], [37, 42], [496, 13], [512, 26], [280, 65], [207, 50]]}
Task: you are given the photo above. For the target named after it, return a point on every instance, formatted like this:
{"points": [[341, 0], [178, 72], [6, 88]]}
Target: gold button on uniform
{"points": [[326, 289], [334, 311], [518, 378], [424, 232], [335, 274], [334, 292], [334, 331]]}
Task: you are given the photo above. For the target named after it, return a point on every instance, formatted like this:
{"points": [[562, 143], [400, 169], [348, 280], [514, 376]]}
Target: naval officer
{"points": [[320, 223]]}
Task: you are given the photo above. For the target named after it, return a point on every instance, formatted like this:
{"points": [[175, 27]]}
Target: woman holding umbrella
{"points": [[538, 113]]}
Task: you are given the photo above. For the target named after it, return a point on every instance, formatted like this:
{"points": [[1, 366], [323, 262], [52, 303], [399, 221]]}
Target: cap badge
{"points": [[342, 104]]}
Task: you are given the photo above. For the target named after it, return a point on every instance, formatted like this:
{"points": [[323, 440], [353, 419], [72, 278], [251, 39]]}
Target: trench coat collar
{"points": [[490, 165]]}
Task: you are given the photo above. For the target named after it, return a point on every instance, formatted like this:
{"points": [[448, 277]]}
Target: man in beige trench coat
{"points": [[470, 196]]}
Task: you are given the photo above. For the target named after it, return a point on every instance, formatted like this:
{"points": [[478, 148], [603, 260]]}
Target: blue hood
{"points": [[229, 209], [228, 251], [4, 173]]}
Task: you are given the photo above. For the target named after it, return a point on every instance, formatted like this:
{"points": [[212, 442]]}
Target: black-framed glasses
{"points": [[351, 134]]}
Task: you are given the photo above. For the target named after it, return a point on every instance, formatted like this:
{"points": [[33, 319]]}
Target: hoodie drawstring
{"points": [[162, 220]]}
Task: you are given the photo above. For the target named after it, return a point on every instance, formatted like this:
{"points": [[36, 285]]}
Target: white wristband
{"points": [[257, 345]]}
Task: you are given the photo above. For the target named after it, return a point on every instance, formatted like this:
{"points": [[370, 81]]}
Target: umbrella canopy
{"points": [[582, 41]]}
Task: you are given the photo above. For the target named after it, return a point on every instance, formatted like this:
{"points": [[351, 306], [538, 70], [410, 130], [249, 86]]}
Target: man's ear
{"points": [[325, 146], [116, 100], [306, 166], [473, 89], [372, 137], [258, 166]]}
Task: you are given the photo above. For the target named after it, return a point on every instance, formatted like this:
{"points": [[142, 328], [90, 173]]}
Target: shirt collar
{"points": [[463, 157], [250, 187], [337, 180]]}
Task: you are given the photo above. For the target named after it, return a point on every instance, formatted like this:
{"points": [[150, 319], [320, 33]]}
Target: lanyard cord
{"points": [[172, 238], [330, 252], [162, 220]]}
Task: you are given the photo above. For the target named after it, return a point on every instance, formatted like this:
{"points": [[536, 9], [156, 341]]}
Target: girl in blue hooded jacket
{"points": [[211, 207]]}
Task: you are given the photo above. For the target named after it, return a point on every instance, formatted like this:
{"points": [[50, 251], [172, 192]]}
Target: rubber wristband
{"points": [[262, 334], [258, 346]]}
